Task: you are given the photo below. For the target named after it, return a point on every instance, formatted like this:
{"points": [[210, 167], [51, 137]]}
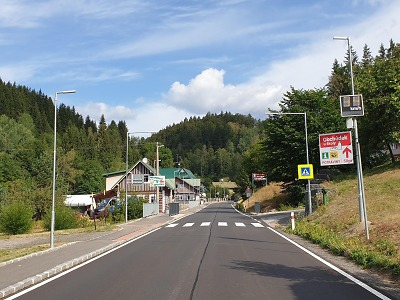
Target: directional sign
{"points": [[259, 176], [336, 148], [157, 180], [305, 171]]}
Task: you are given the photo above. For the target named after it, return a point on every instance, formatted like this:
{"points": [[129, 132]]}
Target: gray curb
{"points": [[53, 271], [19, 286]]}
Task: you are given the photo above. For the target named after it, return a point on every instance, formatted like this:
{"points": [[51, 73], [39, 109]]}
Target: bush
{"points": [[296, 193], [65, 218], [117, 214], [16, 218], [135, 208], [239, 206]]}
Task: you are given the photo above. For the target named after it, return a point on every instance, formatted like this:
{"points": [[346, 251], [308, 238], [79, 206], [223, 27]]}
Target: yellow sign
{"points": [[305, 171], [334, 155]]}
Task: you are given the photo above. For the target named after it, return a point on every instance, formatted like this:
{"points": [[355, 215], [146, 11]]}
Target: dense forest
{"points": [[215, 146]]}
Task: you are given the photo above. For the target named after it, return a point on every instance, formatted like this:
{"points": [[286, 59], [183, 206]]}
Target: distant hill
{"points": [[212, 146]]}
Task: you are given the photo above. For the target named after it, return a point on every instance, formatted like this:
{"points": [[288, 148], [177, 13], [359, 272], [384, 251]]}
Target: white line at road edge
{"points": [[355, 280], [78, 266]]}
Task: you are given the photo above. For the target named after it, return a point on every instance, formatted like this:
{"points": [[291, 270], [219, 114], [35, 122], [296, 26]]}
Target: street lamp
{"points": [[158, 174], [361, 194], [126, 168], [54, 166], [308, 160]]}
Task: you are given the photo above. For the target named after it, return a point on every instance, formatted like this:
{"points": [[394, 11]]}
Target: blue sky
{"points": [[153, 63]]}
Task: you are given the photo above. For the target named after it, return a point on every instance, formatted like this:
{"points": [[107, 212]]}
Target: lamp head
{"points": [[66, 92]]}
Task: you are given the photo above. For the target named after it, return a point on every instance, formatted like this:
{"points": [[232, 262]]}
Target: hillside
{"points": [[337, 227], [270, 198]]}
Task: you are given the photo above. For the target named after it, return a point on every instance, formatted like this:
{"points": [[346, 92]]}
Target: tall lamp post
{"points": [[158, 172], [308, 160], [54, 166], [126, 169], [361, 194]]}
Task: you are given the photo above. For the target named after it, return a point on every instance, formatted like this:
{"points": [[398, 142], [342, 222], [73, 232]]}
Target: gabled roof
{"points": [[113, 173], [177, 172], [150, 168]]}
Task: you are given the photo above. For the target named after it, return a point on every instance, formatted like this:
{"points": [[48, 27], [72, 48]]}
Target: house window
{"points": [[145, 177]]}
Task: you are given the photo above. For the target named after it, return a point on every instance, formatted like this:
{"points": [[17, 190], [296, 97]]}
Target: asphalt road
{"points": [[216, 253]]}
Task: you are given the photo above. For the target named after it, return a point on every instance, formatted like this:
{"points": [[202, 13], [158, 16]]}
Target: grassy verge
{"points": [[337, 226], [380, 254], [39, 232], [9, 254]]}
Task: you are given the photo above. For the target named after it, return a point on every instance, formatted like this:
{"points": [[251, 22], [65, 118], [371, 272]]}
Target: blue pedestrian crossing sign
{"points": [[305, 171]]}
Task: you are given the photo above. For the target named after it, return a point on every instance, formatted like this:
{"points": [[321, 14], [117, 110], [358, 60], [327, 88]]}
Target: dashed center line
{"points": [[222, 224], [257, 225], [188, 225], [240, 225], [205, 224]]}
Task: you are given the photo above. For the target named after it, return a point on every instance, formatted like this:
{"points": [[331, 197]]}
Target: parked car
{"points": [[105, 206]]}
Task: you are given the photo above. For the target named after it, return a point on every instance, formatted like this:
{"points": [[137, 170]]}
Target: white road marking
{"points": [[340, 271], [221, 224], [240, 225], [172, 225]]}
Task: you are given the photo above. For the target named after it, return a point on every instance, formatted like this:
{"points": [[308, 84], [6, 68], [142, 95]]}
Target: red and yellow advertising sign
{"points": [[336, 148]]}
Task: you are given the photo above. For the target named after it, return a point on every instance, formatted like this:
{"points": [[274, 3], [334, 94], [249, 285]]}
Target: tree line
{"points": [[216, 146]]}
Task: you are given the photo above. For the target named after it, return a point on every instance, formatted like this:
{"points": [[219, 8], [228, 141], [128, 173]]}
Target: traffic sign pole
{"points": [[361, 198]]}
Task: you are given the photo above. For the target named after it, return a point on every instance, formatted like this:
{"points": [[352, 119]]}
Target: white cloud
{"points": [[22, 72], [207, 92], [156, 116], [31, 14], [148, 117], [96, 109]]}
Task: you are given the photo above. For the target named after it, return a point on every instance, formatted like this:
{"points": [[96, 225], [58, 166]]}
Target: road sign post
{"points": [[305, 171]]}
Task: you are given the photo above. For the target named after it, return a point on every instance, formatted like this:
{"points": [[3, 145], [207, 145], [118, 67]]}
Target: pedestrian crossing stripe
{"points": [[205, 224], [220, 224], [305, 171], [172, 225]]}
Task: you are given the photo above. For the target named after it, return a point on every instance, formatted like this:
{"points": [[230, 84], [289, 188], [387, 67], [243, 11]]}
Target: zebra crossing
{"points": [[219, 224]]}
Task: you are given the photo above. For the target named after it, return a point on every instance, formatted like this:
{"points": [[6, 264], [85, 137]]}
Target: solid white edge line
{"points": [[350, 277], [78, 266], [355, 280]]}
